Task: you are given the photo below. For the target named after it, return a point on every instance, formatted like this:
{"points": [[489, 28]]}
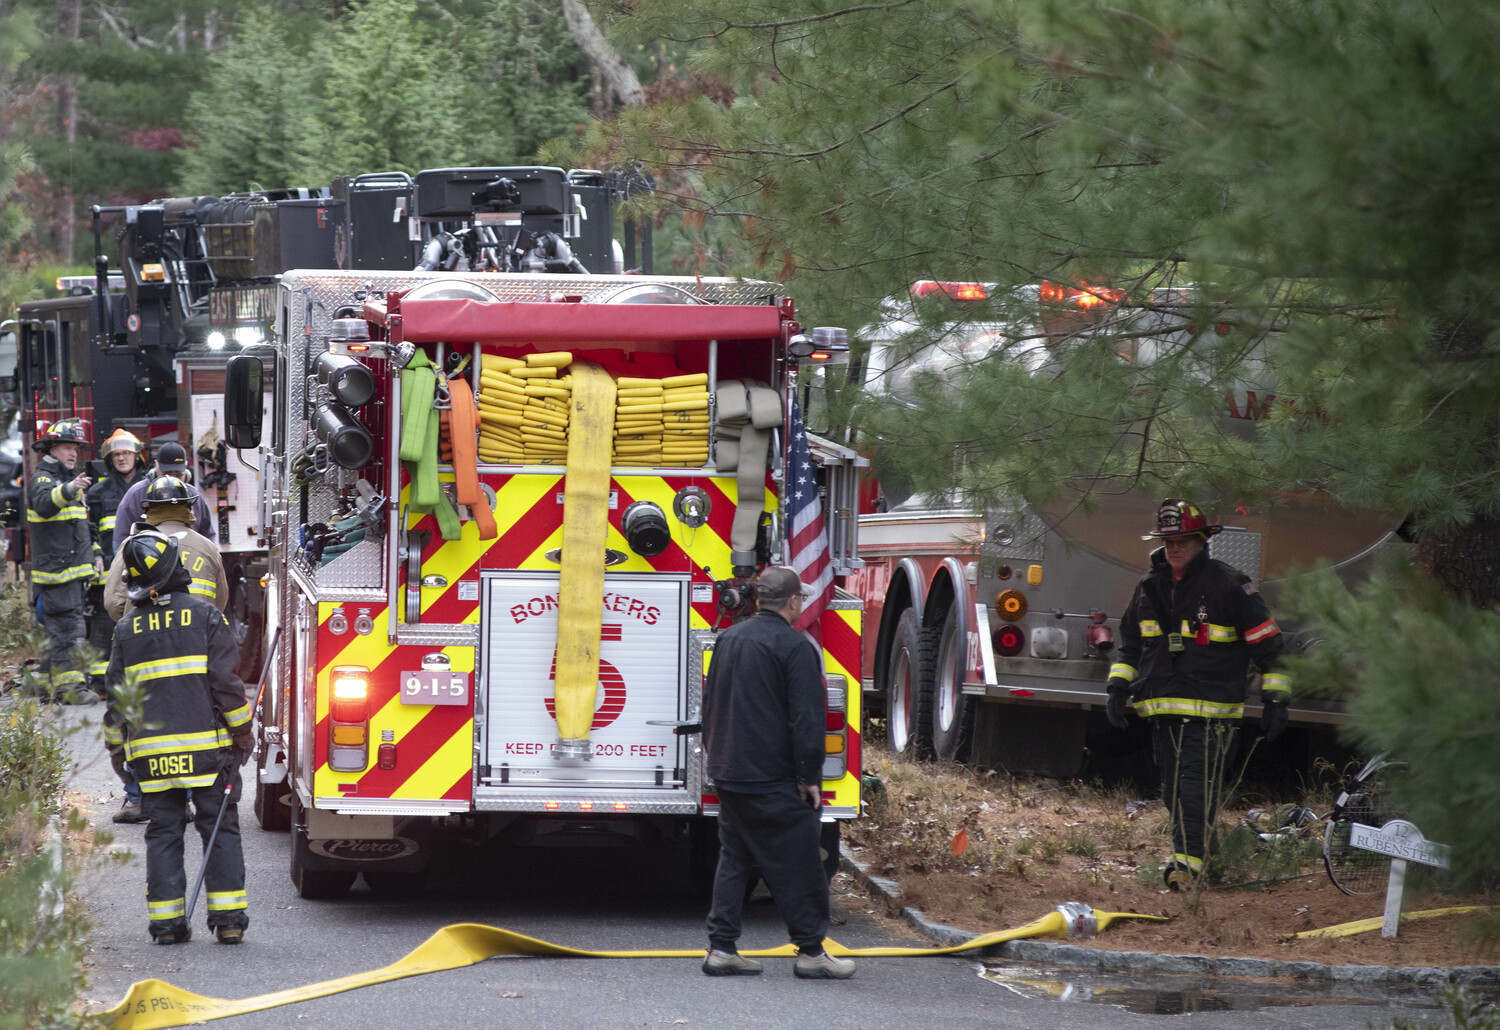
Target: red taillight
{"points": [[386, 756], [1087, 298], [1008, 641], [835, 721], [349, 719], [954, 291], [1004, 572]]}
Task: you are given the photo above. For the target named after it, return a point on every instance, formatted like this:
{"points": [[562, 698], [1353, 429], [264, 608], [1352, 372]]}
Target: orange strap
{"points": [[459, 445]]}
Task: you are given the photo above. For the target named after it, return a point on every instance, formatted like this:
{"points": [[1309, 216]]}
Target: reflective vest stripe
{"points": [[239, 717], [67, 575], [1275, 686], [161, 668], [107, 524], [1120, 670], [153, 786], [113, 735], [1190, 708], [1150, 628], [1261, 632], [166, 744], [1194, 864], [203, 588], [68, 514]]}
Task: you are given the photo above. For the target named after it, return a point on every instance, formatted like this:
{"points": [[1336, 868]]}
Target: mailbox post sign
{"points": [[1404, 843]]}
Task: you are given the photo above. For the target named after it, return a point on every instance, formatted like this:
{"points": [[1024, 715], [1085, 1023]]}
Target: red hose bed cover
{"points": [[472, 321]]}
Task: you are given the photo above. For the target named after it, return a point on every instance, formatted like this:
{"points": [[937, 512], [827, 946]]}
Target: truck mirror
{"points": [[244, 404]]}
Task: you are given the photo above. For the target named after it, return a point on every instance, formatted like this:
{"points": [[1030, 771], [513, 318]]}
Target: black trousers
{"points": [[1193, 756], [62, 618], [166, 879], [777, 833], [100, 635]]}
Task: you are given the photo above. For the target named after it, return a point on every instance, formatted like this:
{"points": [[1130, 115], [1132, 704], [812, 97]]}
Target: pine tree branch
{"points": [[126, 30], [778, 25]]}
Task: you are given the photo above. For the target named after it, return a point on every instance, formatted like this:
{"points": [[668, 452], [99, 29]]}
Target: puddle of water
{"points": [[1171, 995]]}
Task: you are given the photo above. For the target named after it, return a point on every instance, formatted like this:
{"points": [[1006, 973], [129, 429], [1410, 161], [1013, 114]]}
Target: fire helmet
{"points": [[167, 490], [1177, 517], [121, 440], [67, 430], [150, 560]]}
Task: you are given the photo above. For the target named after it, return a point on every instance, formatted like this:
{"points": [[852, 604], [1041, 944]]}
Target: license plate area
{"points": [[428, 687]]}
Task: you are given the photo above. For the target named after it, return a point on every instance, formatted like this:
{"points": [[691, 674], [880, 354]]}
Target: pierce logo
{"points": [[355, 850]]}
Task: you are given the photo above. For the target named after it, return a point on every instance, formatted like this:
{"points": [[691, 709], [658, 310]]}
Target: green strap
{"points": [[419, 445]]}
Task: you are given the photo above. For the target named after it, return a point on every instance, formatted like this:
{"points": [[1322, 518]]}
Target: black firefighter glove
{"points": [[240, 746], [1119, 698], [1272, 719]]}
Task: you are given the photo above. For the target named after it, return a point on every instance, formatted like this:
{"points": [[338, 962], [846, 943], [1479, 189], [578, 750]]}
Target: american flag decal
{"points": [[808, 542]]}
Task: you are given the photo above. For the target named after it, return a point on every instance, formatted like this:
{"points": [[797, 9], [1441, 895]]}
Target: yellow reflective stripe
{"points": [[107, 523], [1277, 683], [98, 668], [68, 514], [161, 668], [67, 575], [1150, 628], [1222, 634], [238, 717], [1120, 670], [58, 497], [1195, 864], [224, 901], [206, 740], [66, 677], [154, 786], [1190, 708], [167, 909], [203, 587], [114, 735]]}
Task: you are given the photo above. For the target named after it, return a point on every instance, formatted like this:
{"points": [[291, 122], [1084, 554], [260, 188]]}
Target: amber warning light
{"points": [[954, 291]]}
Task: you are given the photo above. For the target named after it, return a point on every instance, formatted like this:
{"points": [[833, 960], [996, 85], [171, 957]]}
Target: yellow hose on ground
{"points": [[1375, 922], [590, 441], [152, 1004]]}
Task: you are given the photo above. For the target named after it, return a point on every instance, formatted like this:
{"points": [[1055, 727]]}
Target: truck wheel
{"points": [[315, 884], [945, 714], [272, 810], [248, 630], [903, 735]]}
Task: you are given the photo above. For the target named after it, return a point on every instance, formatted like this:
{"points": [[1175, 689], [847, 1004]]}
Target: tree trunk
{"points": [[618, 75], [1467, 564], [70, 20]]}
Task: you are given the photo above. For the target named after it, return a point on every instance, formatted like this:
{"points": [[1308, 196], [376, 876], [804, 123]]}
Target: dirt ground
{"points": [[984, 851]]}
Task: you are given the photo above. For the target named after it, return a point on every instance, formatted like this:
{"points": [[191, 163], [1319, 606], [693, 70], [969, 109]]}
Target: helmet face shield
{"points": [[150, 561]]}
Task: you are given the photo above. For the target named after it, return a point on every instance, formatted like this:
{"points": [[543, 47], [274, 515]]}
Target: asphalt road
{"points": [[586, 899]]}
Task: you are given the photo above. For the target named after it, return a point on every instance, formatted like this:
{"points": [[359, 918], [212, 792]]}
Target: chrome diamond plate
{"points": [[1026, 532], [461, 635], [1238, 548]]}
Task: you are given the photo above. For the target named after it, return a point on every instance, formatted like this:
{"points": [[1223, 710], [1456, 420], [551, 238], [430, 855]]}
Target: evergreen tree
{"points": [[1314, 179], [17, 34], [253, 122]]}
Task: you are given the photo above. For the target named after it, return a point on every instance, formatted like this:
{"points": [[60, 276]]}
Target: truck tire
{"points": [[945, 714], [903, 734], [272, 802], [248, 629], [315, 884]]}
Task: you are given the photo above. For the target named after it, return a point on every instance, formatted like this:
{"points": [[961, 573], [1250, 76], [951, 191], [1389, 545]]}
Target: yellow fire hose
{"points": [[154, 1003], [581, 581], [1375, 922]]}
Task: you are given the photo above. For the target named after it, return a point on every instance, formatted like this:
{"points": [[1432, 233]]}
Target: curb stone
{"points": [[1078, 957]]}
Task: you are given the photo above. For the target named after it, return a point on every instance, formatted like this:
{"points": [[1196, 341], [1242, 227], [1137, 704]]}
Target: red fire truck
{"points": [[502, 626], [989, 634]]}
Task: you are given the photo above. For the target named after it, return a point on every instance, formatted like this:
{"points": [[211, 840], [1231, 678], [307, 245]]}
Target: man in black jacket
{"points": [[765, 709], [180, 712], [1187, 639]]}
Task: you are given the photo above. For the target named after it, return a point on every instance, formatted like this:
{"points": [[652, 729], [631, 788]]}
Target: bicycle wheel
{"points": [[1355, 870]]}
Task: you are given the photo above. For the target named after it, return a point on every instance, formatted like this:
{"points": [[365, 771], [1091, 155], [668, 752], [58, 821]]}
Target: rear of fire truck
{"points": [[508, 514]]}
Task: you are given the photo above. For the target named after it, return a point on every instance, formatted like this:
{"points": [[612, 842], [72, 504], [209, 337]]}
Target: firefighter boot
{"points": [[230, 934], [171, 933], [1179, 879]]}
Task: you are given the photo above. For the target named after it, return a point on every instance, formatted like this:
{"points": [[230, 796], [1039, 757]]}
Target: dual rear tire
{"points": [[928, 716]]}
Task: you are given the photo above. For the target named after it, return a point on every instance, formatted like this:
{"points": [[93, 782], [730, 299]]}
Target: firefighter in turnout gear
{"points": [[180, 712], [64, 556], [1188, 636], [169, 509]]}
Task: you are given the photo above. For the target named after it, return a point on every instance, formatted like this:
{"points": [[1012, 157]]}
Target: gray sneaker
{"points": [[728, 963], [823, 967]]}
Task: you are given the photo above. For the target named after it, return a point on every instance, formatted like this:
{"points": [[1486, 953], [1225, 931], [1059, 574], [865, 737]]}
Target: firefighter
{"points": [[168, 503], [123, 467], [169, 508], [1188, 636], [179, 710], [171, 460], [64, 556]]}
